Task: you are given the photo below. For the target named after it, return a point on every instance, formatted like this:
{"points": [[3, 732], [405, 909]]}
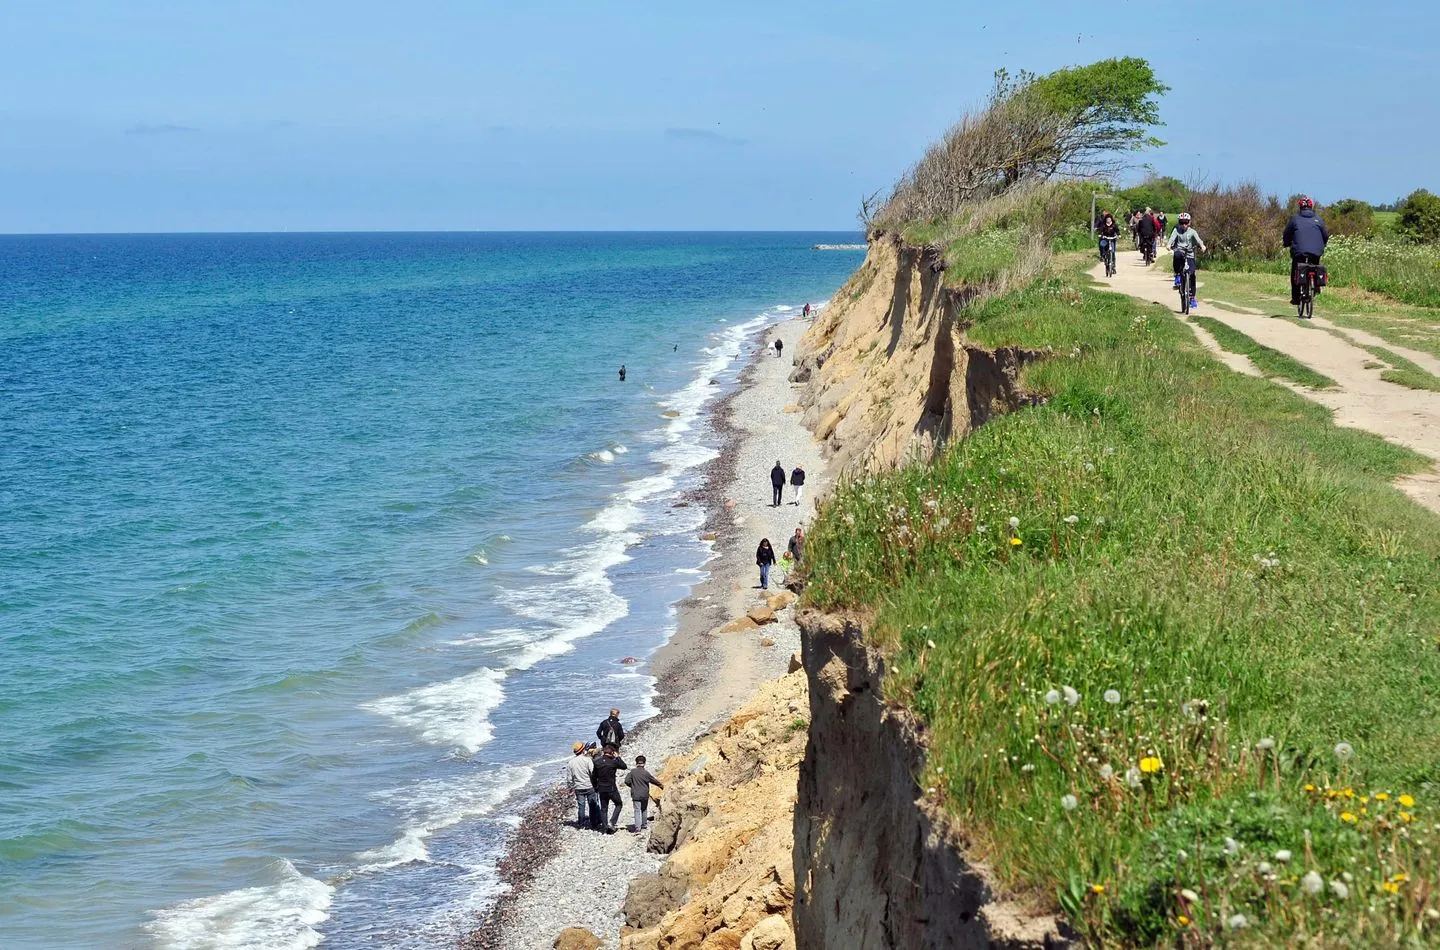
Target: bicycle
{"points": [[1147, 250], [1107, 254], [1187, 284], [1307, 286]]}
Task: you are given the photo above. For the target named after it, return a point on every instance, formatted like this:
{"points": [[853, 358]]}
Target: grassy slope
{"points": [[1236, 568]]}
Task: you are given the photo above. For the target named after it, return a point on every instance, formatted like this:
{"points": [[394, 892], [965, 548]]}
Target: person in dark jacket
{"points": [[777, 482], [1109, 233], [611, 732], [797, 545], [797, 484], [603, 776], [1306, 236], [622, 372], [779, 345], [1146, 228], [765, 558], [639, 779]]}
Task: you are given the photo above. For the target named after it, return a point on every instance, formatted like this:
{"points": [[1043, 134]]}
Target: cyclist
{"points": [[1109, 232], [1183, 241], [1146, 227], [1306, 236]]}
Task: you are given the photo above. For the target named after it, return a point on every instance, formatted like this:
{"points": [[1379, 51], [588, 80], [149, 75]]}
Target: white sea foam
{"points": [[436, 804], [281, 915], [454, 712]]}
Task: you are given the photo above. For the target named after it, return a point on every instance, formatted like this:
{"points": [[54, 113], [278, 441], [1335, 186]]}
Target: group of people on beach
{"points": [[794, 554], [593, 775]]}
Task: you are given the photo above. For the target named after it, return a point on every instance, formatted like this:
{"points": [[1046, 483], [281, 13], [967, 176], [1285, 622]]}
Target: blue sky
{"points": [[316, 114]]}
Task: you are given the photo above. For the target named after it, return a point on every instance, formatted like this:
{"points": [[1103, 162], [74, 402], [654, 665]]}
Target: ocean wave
{"points": [[281, 915], [454, 712]]}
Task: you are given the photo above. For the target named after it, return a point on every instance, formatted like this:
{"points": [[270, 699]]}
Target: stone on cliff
{"points": [[795, 662], [576, 938], [675, 825], [761, 614], [652, 896], [767, 642], [772, 933], [780, 601]]}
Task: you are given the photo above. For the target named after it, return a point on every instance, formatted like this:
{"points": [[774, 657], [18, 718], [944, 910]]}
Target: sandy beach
{"points": [[563, 877]]}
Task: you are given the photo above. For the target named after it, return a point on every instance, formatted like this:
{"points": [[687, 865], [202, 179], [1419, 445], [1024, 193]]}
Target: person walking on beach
{"points": [[622, 372], [779, 345], [611, 732], [807, 311], [579, 773], [797, 484], [765, 558], [639, 779], [603, 776], [777, 483], [796, 546]]}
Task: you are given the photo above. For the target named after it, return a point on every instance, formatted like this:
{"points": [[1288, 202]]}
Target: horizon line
{"points": [[9, 234]]}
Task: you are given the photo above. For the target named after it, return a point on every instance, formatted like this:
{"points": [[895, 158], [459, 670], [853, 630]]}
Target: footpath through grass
{"points": [[1269, 361], [1174, 635]]}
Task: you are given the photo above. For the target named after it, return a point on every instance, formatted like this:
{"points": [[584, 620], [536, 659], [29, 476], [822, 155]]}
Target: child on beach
{"points": [[639, 779]]}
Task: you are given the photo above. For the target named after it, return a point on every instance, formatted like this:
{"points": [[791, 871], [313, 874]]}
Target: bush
{"points": [[1239, 222], [1350, 217], [1420, 217], [1162, 194]]}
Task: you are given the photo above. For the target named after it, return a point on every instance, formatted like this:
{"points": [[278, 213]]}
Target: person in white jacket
{"points": [[579, 772]]}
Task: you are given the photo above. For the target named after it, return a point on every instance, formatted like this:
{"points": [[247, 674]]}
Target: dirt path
{"points": [[1361, 399]]}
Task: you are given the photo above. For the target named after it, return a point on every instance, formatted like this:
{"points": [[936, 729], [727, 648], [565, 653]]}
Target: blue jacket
{"points": [[1306, 234]]}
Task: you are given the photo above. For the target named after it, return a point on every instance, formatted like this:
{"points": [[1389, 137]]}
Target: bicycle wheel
{"points": [[1184, 299]]}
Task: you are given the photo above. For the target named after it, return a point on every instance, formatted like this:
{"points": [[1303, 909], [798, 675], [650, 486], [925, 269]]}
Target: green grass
{"points": [[1236, 568], [1404, 372], [1268, 361], [1387, 222]]}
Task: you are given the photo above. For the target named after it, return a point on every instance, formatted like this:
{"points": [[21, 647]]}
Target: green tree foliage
{"points": [[1351, 217], [1420, 216], [1167, 194]]}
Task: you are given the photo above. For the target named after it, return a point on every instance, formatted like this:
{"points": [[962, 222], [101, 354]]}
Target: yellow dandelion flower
{"points": [[1348, 818], [1309, 788], [1151, 764], [1390, 887], [1097, 888], [1406, 800], [1400, 877], [1406, 817], [1382, 796], [1182, 920], [1364, 799], [1016, 542]]}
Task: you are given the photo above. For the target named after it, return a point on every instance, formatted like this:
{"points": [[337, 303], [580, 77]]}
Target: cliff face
{"points": [[876, 865], [889, 373]]}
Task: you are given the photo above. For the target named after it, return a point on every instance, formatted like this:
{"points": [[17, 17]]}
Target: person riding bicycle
{"points": [[1146, 228], [1109, 231], [1183, 241], [1306, 236]]}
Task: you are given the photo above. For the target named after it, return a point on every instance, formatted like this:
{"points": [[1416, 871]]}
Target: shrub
{"points": [[1350, 217], [1239, 222], [1420, 216], [1163, 194]]}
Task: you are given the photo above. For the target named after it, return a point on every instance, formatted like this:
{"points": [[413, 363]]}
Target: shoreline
{"points": [[557, 876]]}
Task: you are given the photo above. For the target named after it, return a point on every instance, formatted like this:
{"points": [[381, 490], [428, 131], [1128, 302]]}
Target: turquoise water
{"points": [[316, 551]]}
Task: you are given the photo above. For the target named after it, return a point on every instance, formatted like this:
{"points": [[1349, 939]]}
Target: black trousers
{"points": [[779, 491], [610, 796]]}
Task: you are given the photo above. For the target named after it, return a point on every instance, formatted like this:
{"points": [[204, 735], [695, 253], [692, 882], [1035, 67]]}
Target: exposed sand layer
{"points": [[704, 675]]}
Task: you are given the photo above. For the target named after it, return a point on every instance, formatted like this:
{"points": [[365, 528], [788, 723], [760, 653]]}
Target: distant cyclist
{"points": [[1306, 237], [1147, 228], [1184, 241], [1109, 235]]}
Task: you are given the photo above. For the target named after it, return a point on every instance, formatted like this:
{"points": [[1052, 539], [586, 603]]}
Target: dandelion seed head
{"points": [[1283, 856], [1340, 889], [1068, 802], [1112, 696], [1107, 772], [1133, 778], [1071, 697], [1237, 922], [1264, 867], [1072, 519], [1232, 846], [1344, 751], [1190, 895], [1014, 522], [1265, 744], [1052, 697], [1312, 883]]}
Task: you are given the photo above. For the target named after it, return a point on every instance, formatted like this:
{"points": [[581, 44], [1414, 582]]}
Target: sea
{"points": [[317, 551]]}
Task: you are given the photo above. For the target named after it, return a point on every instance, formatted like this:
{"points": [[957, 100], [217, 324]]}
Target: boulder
{"points": [[652, 896], [780, 601], [739, 625], [675, 825], [671, 414], [576, 938], [772, 933], [761, 614], [795, 662], [630, 661], [709, 536], [767, 642]]}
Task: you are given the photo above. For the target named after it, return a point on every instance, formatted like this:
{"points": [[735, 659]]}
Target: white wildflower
{"points": [[1027, 768], [1283, 856], [1107, 772], [1072, 519], [1264, 867], [1014, 522], [1052, 698], [1343, 751], [1112, 696], [1265, 744], [1068, 802], [1133, 777], [1182, 855], [1340, 890], [1109, 450], [930, 644], [1232, 846], [1071, 697], [1237, 922], [1312, 883], [1190, 896], [1089, 467]]}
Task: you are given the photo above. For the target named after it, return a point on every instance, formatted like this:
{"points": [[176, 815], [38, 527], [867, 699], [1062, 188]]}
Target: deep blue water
{"points": [[316, 550]]}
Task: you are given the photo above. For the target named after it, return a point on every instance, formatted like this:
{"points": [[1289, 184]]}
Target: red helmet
{"points": [[1307, 202]]}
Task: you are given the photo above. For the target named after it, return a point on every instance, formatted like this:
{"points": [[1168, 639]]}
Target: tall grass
{"points": [[1174, 637]]}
